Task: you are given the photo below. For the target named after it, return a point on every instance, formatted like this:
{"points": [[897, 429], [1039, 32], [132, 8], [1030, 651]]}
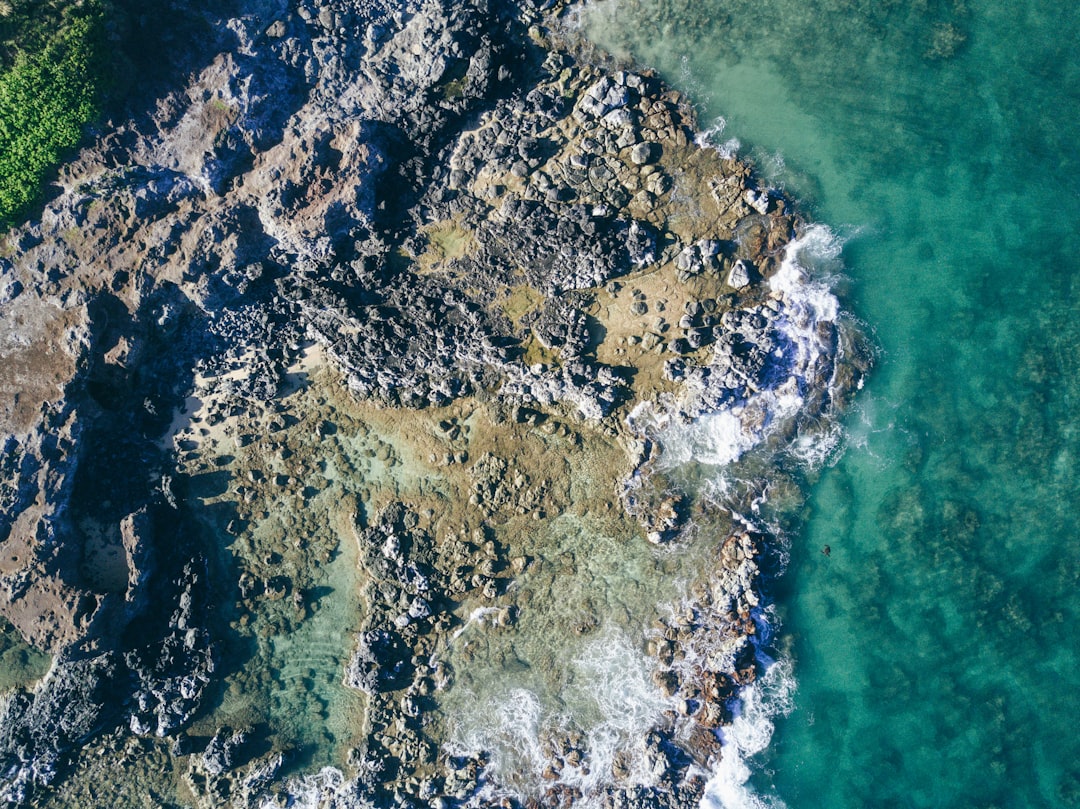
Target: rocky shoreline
{"points": [[395, 278]]}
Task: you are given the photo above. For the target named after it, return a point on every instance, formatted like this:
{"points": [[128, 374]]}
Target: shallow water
{"points": [[573, 660], [306, 703], [21, 665], [934, 648]]}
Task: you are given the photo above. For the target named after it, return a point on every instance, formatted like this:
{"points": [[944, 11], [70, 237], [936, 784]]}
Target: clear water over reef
{"points": [[935, 647]]}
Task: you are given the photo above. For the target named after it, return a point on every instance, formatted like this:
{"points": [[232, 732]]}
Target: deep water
{"points": [[936, 648]]}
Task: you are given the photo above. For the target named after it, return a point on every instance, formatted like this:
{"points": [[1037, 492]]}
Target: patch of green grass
{"points": [[219, 106], [48, 93], [454, 90]]}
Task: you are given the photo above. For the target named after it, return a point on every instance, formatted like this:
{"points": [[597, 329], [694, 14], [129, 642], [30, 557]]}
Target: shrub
{"points": [[46, 97]]}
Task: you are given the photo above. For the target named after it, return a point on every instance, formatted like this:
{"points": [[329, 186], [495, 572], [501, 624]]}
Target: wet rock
{"points": [[659, 184], [758, 200], [702, 256], [286, 195], [261, 776], [380, 663], [662, 522], [602, 98], [66, 708], [666, 681]]}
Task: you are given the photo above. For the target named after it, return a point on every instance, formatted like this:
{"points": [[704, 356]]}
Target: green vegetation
{"points": [[54, 68], [20, 665]]}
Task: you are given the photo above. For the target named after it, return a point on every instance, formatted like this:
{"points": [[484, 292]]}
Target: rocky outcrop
{"points": [[449, 205]]}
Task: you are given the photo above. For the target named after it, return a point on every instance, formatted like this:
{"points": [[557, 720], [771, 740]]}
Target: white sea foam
{"points": [[806, 297], [805, 304], [615, 676], [818, 444], [723, 437], [748, 735], [711, 138], [808, 302], [508, 728], [610, 700], [773, 165], [326, 789], [481, 616]]}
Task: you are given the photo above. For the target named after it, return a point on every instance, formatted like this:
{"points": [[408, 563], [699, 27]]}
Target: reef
{"points": [[404, 285]]}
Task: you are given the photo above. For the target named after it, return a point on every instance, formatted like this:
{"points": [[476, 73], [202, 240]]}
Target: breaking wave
{"points": [[712, 138], [748, 735], [787, 421], [807, 314], [608, 707], [809, 311]]}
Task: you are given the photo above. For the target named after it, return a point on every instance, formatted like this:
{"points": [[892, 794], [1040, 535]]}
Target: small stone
{"points": [[658, 184], [643, 153], [618, 119], [644, 201], [666, 681], [739, 274]]}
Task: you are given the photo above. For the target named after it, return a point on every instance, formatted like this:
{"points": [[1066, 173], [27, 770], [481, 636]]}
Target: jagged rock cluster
{"points": [[706, 649], [412, 580], [748, 353]]}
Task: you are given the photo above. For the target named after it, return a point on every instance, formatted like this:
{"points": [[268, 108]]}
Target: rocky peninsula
{"points": [[323, 378]]}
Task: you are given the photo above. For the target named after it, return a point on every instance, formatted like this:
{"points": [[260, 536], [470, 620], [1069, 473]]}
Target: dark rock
{"points": [[36, 730]]}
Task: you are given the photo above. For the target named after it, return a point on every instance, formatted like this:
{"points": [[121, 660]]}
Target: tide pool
{"points": [[935, 649]]}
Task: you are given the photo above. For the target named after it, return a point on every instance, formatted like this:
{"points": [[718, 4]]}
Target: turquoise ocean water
{"points": [[936, 649]]}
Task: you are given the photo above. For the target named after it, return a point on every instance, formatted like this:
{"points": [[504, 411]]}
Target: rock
{"points": [[739, 274], [604, 97], [377, 180], [223, 752], [641, 241], [666, 681], [644, 153], [10, 289], [618, 119], [262, 775], [658, 184], [758, 200]]}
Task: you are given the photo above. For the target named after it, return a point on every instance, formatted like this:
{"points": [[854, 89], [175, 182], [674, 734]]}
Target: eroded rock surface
{"points": [[461, 222]]}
